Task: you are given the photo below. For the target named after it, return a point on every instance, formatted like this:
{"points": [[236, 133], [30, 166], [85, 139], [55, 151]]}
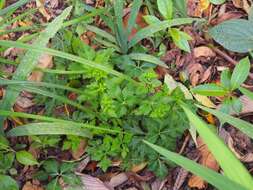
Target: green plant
{"points": [[234, 35], [229, 83], [52, 169]]}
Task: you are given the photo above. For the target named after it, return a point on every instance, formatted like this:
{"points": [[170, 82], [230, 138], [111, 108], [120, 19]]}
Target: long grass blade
{"points": [[151, 29], [30, 60], [245, 127], [101, 33], [13, 7], [133, 15], [147, 58], [231, 166], [52, 119], [49, 129], [217, 180], [246, 92]]}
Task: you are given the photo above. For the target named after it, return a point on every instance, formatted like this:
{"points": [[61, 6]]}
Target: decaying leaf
{"points": [[204, 100], [118, 180], [29, 186], [40, 5], [91, 183], [80, 150], [203, 51], [208, 160]]}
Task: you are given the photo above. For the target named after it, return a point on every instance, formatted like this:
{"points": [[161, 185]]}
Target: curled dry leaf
{"points": [[181, 176], [45, 61], [207, 74], [230, 142], [197, 7], [80, 150], [29, 186], [207, 160], [203, 51], [195, 71], [227, 16], [118, 180], [139, 167], [242, 4], [92, 183]]}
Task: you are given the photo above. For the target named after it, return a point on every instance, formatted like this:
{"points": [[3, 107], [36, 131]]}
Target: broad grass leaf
{"points": [[209, 90], [240, 73], [30, 60], [246, 92], [26, 158], [240, 124], [55, 128], [217, 180], [235, 35], [13, 7], [165, 7], [231, 166]]}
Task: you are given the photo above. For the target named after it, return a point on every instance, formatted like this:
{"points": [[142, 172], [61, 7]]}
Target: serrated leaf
{"points": [[235, 35], [7, 183], [240, 73], [209, 90], [26, 158], [165, 7]]}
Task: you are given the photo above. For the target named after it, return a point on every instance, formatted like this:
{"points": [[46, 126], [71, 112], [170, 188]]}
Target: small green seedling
{"points": [[230, 82]]}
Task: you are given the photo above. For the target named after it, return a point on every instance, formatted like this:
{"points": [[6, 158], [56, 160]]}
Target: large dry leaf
{"points": [[92, 183], [207, 160], [118, 180], [203, 51], [29, 186]]}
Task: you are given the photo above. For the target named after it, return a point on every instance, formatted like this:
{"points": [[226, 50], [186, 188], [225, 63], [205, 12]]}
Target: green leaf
{"points": [[26, 158], [7, 183], [234, 35], [30, 60], [240, 124], [180, 39], [51, 166], [84, 62], [133, 15], [147, 58], [217, 180], [225, 79], [54, 185], [217, 2], [13, 7], [181, 7], [153, 28], [101, 33], [55, 128], [240, 73], [231, 166], [165, 7], [4, 143], [246, 92], [150, 19], [209, 90], [52, 119]]}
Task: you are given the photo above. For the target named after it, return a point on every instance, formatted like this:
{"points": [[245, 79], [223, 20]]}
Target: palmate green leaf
{"points": [[246, 92], [240, 73], [245, 127], [13, 7], [8, 183], [165, 7], [147, 58], [235, 35], [231, 166], [68, 56], [209, 90], [52, 119], [219, 181], [55, 128], [153, 28], [30, 60], [26, 158]]}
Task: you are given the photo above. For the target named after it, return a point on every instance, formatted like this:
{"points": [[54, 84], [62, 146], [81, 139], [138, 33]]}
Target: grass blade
{"points": [[49, 129], [101, 33], [133, 15], [30, 60], [42, 84], [246, 92], [52, 119], [231, 166], [217, 180], [68, 56], [147, 58], [240, 124], [13, 7], [151, 29]]}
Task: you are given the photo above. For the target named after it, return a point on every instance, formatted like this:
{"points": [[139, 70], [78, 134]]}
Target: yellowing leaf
{"points": [[204, 100]]}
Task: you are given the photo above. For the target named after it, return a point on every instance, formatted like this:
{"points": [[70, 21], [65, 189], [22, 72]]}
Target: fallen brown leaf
{"points": [[207, 160], [29, 186], [181, 176], [40, 5], [80, 150], [203, 51], [92, 183], [118, 180], [139, 167]]}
